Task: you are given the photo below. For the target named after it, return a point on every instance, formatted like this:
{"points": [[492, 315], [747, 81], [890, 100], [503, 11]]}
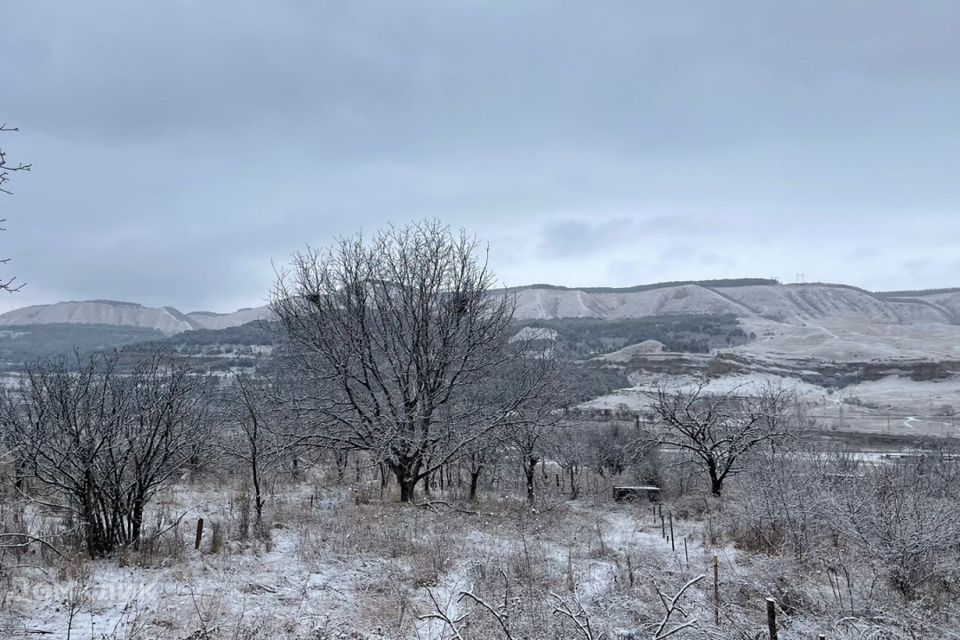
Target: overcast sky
{"points": [[179, 147]]}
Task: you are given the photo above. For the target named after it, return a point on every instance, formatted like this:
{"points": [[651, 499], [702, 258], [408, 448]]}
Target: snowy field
{"points": [[341, 564]]}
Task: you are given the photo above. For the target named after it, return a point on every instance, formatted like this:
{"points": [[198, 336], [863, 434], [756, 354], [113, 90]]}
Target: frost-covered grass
{"points": [[338, 562]]}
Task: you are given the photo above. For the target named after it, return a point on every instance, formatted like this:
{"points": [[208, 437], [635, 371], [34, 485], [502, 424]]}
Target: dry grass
{"points": [[335, 562]]}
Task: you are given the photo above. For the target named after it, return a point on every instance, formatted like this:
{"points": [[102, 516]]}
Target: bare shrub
{"points": [[98, 442], [907, 518]]}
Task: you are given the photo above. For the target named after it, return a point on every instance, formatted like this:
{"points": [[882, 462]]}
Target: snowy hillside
{"points": [[128, 314], [790, 304], [798, 305], [209, 320], [99, 312], [548, 304]]}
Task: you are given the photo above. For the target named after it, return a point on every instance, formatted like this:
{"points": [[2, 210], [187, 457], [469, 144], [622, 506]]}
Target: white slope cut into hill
{"points": [[802, 304], [548, 304], [791, 304], [946, 302], [125, 314], [128, 314]]}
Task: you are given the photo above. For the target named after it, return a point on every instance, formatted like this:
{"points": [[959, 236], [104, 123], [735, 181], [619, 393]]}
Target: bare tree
{"points": [[528, 440], [609, 448], [392, 335], [257, 442], [7, 168], [569, 446], [531, 432], [718, 430], [478, 459], [525, 433], [98, 442]]}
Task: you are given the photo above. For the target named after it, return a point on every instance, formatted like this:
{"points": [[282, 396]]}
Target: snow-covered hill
{"points": [[209, 320], [790, 304], [128, 314], [797, 305]]}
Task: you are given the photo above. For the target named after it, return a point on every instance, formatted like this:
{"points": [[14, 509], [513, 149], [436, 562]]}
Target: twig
{"points": [[496, 614], [442, 615], [580, 618], [670, 606]]}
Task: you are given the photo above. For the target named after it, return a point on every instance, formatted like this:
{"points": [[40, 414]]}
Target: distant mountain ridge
{"points": [[790, 304], [169, 320], [794, 304]]}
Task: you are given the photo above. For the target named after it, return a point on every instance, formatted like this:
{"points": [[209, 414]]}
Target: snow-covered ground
{"points": [[337, 565], [856, 339]]}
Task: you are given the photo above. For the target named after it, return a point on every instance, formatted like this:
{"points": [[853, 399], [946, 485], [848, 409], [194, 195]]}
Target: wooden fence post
{"points": [[196, 544], [716, 590], [772, 618], [673, 545]]}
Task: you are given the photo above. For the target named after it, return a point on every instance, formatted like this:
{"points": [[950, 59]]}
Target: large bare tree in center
{"points": [[392, 337]]}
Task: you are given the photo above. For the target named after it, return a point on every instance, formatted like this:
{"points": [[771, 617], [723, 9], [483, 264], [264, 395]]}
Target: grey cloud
{"points": [[572, 238], [862, 253], [178, 147]]}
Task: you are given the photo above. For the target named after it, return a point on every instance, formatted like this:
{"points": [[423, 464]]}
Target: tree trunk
{"points": [[407, 473], [716, 479], [426, 479], [530, 469], [97, 538], [257, 503], [19, 475], [474, 481], [136, 523], [342, 460], [406, 488], [97, 535], [716, 485]]}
